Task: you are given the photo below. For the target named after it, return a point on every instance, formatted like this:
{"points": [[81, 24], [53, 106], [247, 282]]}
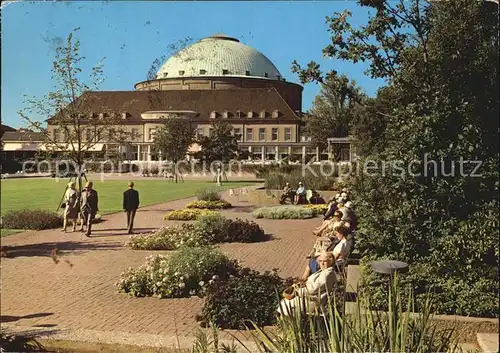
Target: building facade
{"points": [[217, 77]]}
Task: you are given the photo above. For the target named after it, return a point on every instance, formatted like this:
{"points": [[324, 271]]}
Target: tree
{"points": [[440, 62], [173, 139], [69, 109], [221, 145], [333, 110]]}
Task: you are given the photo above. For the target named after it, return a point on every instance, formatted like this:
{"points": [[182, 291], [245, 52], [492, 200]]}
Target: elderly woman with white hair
{"points": [[312, 295], [72, 209]]}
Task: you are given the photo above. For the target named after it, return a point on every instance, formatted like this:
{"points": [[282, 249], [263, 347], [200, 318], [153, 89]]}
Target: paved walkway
{"points": [[36, 292]]}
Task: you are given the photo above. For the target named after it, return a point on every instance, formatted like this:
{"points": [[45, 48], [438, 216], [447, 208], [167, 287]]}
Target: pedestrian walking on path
{"points": [[90, 201], [130, 205], [72, 208]]}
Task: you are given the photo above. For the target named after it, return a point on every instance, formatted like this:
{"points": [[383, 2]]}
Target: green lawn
{"points": [[46, 193]]}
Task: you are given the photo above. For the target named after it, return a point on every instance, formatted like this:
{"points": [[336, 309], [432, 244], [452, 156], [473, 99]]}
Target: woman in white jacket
{"points": [[313, 293]]}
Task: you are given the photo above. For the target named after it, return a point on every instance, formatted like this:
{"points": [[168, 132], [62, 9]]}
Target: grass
{"points": [[46, 193], [5, 232]]}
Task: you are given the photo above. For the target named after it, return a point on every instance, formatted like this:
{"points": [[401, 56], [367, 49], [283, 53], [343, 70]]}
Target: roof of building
{"points": [[7, 128], [218, 55], [203, 102], [20, 135]]}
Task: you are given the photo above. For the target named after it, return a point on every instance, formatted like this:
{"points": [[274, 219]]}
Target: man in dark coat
{"points": [[130, 205], [89, 208]]}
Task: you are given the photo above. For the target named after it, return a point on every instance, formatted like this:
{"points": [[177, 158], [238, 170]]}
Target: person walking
{"points": [[72, 207], [90, 201], [130, 205]]}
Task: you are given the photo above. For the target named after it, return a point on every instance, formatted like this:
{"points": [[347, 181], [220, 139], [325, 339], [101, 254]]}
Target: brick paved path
{"points": [[36, 292]]}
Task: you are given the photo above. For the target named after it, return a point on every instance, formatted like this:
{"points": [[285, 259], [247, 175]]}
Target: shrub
{"points": [[209, 204], [315, 179], [208, 229], [248, 296], [220, 229], [168, 238], [31, 219], [284, 212], [187, 214], [317, 209], [182, 274], [208, 194]]}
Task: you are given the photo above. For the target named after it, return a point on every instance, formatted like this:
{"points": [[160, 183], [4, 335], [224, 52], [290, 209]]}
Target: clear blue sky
{"points": [[132, 34]]}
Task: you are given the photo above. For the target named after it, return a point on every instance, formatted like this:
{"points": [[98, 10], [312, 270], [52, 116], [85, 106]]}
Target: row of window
{"points": [[224, 72], [249, 134], [240, 114], [92, 134]]}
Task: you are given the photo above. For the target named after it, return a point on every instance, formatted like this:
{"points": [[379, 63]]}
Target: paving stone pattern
{"points": [[36, 292]]}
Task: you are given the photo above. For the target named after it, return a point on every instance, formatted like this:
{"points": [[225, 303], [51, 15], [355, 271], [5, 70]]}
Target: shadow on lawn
{"points": [[47, 249]]}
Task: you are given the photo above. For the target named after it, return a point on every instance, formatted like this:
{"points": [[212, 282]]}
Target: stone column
{"points": [[317, 154], [148, 158], [263, 153], [289, 151], [276, 153], [250, 154], [304, 153]]}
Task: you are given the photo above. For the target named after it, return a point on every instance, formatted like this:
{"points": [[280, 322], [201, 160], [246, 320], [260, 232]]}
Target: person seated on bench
{"points": [[288, 193], [311, 292], [328, 224], [348, 215], [340, 251], [300, 194], [330, 210]]}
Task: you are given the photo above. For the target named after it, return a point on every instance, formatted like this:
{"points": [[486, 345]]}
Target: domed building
{"points": [[217, 77]]}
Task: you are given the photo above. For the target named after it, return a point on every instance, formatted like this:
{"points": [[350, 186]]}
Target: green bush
{"points": [[312, 179], [207, 230], [221, 204], [248, 296], [168, 238], [31, 219], [184, 273], [284, 212], [188, 214], [208, 194], [221, 230], [319, 209]]}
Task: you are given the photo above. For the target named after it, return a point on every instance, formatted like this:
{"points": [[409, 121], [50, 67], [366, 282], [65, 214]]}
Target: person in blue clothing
{"points": [[300, 194]]}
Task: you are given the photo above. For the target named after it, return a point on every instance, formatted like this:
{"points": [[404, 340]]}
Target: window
{"points": [[181, 72], [262, 113], [152, 132], [225, 71], [276, 114], [247, 73], [266, 74], [288, 134], [278, 77], [250, 114], [274, 134], [165, 74], [56, 135], [203, 72], [237, 133], [124, 115], [89, 135], [213, 115], [249, 136], [262, 134], [134, 134], [111, 134], [239, 114], [225, 114], [199, 133]]}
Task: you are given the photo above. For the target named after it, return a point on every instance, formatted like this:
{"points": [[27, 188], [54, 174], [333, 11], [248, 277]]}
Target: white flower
{"points": [[201, 283], [182, 285], [215, 277], [158, 284], [211, 281]]}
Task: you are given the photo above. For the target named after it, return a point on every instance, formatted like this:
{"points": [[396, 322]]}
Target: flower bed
{"points": [[188, 214], [209, 229], [317, 209], [201, 204], [182, 274], [168, 238], [284, 212]]}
